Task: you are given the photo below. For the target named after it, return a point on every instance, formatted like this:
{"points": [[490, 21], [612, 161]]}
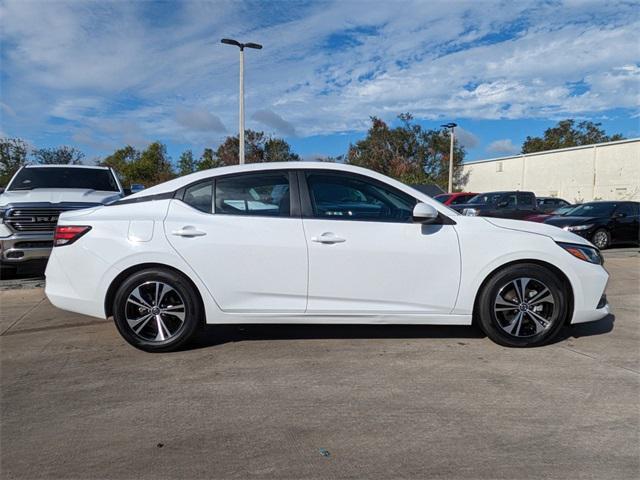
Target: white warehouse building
{"points": [[604, 171]]}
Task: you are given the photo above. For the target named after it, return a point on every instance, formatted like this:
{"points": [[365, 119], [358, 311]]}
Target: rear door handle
{"points": [[188, 231], [328, 237]]}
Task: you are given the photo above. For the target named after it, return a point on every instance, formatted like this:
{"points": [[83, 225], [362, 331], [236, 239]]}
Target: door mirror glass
{"points": [[424, 213]]}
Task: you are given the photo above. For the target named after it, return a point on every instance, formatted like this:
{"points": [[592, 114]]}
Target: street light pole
{"points": [[451, 126], [241, 46]]}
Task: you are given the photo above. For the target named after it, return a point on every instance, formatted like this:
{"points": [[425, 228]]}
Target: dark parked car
{"points": [[549, 204], [454, 198], [604, 223], [513, 204]]}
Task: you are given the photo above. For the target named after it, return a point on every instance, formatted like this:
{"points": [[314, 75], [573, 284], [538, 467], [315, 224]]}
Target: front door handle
{"points": [[188, 231], [328, 237]]}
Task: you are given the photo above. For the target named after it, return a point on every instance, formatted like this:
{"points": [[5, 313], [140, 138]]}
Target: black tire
{"points": [[601, 238], [183, 292], [506, 285]]}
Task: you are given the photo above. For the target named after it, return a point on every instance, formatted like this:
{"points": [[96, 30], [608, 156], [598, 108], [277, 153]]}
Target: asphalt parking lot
{"points": [[320, 401]]}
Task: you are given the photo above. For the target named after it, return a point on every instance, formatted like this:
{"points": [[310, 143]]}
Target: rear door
{"points": [[243, 236], [526, 205], [366, 255]]}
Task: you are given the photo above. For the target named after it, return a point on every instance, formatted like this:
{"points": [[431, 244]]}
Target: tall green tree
{"points": [[408, 153], [258, 148], [208, 160], [149, 167], [13, 155], [63, 155], [187, 163], [566, 134]]}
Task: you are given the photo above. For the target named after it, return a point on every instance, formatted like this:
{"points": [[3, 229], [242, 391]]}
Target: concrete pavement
{"points": [[320, 401]]}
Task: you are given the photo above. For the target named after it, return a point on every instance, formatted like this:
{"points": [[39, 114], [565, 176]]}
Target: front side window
{"points": [[626, 209], [345, 197], [263, 194]]}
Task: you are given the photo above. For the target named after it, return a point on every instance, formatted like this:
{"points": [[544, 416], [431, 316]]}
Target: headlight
{"points": [[470, 212], [588, 254], [578, 228]]}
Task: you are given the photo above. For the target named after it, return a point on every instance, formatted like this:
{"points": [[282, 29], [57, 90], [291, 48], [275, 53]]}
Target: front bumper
{"points": [[22, 247]]}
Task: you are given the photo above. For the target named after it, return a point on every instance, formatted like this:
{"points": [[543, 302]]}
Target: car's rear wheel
{"points": [[523, 305], [157, 310], [601, 238]]}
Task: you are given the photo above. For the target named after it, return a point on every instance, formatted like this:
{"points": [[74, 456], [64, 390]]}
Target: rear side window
{"points": [[344, 197], [200, 196], [526, 200], [262, 194], [627, 209]]}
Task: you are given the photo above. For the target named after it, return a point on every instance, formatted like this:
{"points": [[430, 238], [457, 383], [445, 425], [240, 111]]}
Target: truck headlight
{"points": [[583, 252], [470, 212]]}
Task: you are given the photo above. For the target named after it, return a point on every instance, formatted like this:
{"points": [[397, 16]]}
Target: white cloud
{"points": [[199, 120], [326, 67], [271, 119], [503, 147]]}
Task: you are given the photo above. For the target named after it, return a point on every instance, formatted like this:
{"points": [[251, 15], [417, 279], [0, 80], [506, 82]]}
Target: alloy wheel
{"points": [[155, 311], [600, 239], [524, 307]]}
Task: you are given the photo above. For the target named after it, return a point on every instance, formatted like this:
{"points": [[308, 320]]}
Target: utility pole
{"points": [[451, 126], [241, 46]]}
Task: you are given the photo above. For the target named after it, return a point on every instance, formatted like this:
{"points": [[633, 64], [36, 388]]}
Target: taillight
{"points": [[66, 234]]}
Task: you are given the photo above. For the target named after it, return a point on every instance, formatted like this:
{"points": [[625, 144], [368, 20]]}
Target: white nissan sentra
{"points": [[304, 242]]}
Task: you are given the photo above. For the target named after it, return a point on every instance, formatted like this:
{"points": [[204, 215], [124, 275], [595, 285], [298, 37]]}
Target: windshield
{"points": [[486, 198], [442, 198], [563, 210], [62, 177], [593, 210]]}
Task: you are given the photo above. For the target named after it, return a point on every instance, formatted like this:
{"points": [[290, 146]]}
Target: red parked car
{"points": [[455, 198]]}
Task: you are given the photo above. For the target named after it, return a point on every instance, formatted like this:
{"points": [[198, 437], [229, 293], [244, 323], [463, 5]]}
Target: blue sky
{"points": [[99, 75]]}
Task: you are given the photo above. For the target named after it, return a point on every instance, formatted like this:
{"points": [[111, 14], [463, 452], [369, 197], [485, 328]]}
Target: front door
{"points": [[238, 234], [367, 256]]}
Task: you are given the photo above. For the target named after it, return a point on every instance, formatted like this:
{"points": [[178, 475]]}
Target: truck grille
{"points": [[33, 219]]}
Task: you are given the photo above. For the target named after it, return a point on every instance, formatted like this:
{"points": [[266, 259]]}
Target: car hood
{"points": [[564, 221], [551, 231], [58, 195]]}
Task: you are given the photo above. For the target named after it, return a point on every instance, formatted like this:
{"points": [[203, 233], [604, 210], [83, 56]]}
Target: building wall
{"points": [[605, 171]]}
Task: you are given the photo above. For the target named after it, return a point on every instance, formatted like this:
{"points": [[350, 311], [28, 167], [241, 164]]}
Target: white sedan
{"points": [[304, 242]]}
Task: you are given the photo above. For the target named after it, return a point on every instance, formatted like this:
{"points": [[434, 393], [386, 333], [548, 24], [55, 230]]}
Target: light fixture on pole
{"points": [[241, 46], [451, 126]]}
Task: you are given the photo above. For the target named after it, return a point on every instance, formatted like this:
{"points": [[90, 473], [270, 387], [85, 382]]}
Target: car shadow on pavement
{"points": [[219, 334], [213, 335]]}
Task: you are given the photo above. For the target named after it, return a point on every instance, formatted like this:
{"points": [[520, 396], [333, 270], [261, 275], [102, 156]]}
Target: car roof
{"points": [[177, 183]]}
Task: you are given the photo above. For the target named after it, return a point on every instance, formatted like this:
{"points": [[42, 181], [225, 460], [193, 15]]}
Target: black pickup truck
{"points": [[512, 204]]}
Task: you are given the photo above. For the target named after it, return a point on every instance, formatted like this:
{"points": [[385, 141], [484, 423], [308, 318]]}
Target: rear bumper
{"points": [[22, 247]]}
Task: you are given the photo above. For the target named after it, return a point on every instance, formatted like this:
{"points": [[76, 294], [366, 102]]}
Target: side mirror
{"points": [[1, 189], [424, 213], [620, 215], [502, 204]]}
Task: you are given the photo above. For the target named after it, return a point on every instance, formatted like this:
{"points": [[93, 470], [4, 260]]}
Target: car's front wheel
{"points": [[523, 305], [157, 310], [601, 238]]}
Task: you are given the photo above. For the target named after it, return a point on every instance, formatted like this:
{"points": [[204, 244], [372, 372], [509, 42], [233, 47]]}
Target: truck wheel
{"points": [[7, 271]]}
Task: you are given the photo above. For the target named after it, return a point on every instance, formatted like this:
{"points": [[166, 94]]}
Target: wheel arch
{"points": [[117, 281], [553, 268]]}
